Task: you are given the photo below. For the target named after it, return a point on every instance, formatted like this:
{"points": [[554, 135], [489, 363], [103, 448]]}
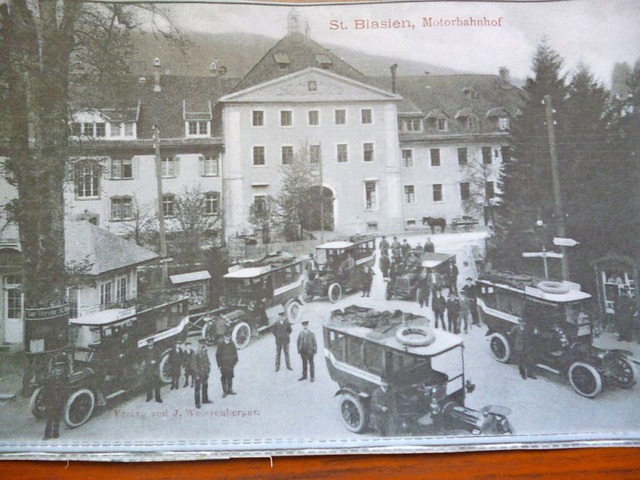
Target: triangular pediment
{"points": [[310, 85]]}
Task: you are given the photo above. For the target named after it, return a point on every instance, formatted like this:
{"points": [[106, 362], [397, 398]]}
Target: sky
{"points": [[598, 33]]}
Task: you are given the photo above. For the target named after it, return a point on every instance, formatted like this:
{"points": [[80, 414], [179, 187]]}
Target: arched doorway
{"points": [[322, 211]]}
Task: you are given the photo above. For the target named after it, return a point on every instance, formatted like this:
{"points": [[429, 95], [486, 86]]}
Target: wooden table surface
{"points": [[608, 463]]}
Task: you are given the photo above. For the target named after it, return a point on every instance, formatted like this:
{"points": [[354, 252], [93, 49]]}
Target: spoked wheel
{"points": [[209, 333], [354, 415], [292, 310], [165, 377], [307, 296], [241, 335], [334, 292], [625, 372], [79, 407], [585, 379], [37, 403], [500, 347]]}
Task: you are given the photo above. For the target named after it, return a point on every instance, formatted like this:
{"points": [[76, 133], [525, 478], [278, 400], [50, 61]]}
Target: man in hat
{"points": [[470, 293], [201, 370], [174, 365], [152, 371], [186, 359], [54, 394], [307, 348], [226, 358], [282, 333]]}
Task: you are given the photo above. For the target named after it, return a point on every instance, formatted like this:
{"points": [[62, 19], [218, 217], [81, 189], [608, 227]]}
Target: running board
{"points": [[263, 328], [548, 368], [115, 394]]}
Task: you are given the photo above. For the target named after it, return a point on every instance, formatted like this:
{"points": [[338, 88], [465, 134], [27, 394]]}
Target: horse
{"points": [[435, 222]]}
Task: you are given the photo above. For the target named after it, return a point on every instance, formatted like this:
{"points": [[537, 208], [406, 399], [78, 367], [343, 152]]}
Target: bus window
{"points": [[337, 343], [374, 358], [354, 352]]}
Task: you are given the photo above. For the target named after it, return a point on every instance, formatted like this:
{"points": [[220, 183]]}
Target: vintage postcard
{"points": [[244, 229]]}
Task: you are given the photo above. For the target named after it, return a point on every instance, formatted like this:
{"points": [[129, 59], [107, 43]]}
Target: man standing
{"points": [[54, 393], [174, 365], [453, 278], [384, 264], [406, 248], [383, 410], [424, 288], [469, 291], [396, 249], [282, 333], [152, 371], [438, 305], [521, 337], [367, 280], [186, 359], [312, 268], [384, 246], [201, 370], [226, 358], [307, 348], [453, 313], [429, 247], [624, 311]]}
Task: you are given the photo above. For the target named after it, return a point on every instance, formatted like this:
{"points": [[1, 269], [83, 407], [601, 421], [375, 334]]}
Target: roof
{"points": [[250, 272], [292, 53], [334, 245], [443, 342], [190, 277], [104, 317], [100, 250], [528, 285]]}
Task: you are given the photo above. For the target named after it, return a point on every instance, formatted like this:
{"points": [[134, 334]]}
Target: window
{"points": [[101, 129], [87, 176], [340, 117], [87, 129], [260, 204], [169, 167], [366, 116], [287, 155], [212, 203], [258, 156], [324, 60], [121, 208], [437, 192], [465, 191], [169, 205], [121, 168], [463, 158], [490, 190], [105, 294], [342, 153], [435, 157], [258, 118], [314, 118], [442, 124], [116, 129], [312, 85], [209, 166], [506, 153], [486, 155], [407, 158], [370, 195], [13, 296], [367, 152], [121, 289], [411, 125], [76, 129], [409, 194], [197, 128], [129, 129], [503, 123], [472, 123], [314, 154], [286, 118]]}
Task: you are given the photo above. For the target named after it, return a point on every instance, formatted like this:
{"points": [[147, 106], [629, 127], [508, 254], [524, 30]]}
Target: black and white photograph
{"points": [[243, 229]]}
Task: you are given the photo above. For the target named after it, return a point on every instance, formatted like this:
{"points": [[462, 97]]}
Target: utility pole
{"points": [[321, 194], [555, 175], [163, 235]]}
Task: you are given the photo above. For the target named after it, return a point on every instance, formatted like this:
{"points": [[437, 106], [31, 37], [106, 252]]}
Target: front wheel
{"points": [[37, 403], [241, 335], [625, 373], [585, 379], [334, 292], [79, 407], [209, 333], [500, 347], [165, 376], [307, 295], [292, 310], [354, 415]]}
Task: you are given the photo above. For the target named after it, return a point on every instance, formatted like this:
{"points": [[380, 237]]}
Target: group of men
{"points": [[459, 310], [306, 343], [196, 366]]}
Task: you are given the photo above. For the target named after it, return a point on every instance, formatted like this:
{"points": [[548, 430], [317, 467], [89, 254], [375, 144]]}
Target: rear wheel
{"points": [[625, 372], [165, 377], [79, 407], [307, 296], [209, 333], [292, 310], [585, 379], [500, 347], [241, 335], [334, 292], [37, 403], [354, 415]]}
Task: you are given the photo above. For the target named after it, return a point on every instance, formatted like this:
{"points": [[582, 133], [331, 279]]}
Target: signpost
{"points": [[544, 254]]}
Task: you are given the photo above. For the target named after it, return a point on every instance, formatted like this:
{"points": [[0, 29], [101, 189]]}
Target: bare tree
{"points": [[482, 179]]}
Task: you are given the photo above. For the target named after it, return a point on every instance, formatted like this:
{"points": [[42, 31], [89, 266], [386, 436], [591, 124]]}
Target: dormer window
{"points": [[472, 123], [324, 61], [503, 123], [441, 124], [411, 125], [198, 128], [282, 59]]}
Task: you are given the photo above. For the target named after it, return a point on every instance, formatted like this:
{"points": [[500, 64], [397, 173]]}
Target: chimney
{"points": [[394, 70], [156, 74], [213, 68], [505, 79]]}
